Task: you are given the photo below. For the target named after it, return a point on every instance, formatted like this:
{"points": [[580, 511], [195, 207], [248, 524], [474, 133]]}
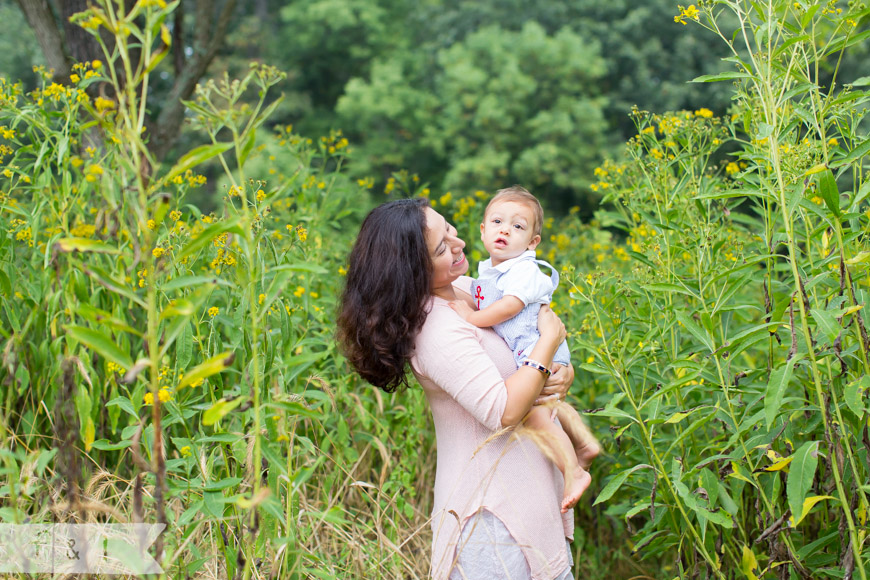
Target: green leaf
{"points": [[102, 344], [856, 154], [827, 323], [220, 409], [195, 157], [694, 329], [723, 76], [85, 245], [106, 445], [807, 506], [776, 387], [210, 367], [184, 346], [222, 484], [800, 477], [614, 484], [187, 281], [855, 393], [829, 192], [749, 563]]}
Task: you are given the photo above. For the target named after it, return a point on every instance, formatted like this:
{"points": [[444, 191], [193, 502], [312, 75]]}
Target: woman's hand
{"points": [[550, 326], [557, 385]]}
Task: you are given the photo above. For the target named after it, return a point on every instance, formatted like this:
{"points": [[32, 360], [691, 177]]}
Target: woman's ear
{"points": [[534, 242]]}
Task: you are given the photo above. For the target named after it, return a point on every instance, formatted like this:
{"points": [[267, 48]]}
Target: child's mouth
{"points": [[500, 242]]}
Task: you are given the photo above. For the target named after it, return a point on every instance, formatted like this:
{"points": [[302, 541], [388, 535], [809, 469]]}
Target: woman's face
{"points": [[445, 250]]}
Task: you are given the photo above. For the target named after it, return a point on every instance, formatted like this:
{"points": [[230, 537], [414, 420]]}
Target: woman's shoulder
{"points": [[463, 283]]}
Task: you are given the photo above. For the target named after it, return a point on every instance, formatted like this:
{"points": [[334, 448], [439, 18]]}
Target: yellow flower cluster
{"points": [[334, 142], [224, 257], [193, 180], [83, 231], [213, 311], [7, 133], [112, 368], [691, 13], [368, 182], [164, 395], [142, 274], [175, 215]]}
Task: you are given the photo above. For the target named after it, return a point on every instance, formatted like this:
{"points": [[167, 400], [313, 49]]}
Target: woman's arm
{"points": [[524, 386]]}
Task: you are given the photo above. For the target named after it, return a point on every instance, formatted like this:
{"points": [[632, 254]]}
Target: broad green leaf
{"points": [[222, 484], [827, 323], [779, 465], [614, 484], [800, 477], [220, 409], [694, 329], [806, 507], [184, 346], [856, 391], [106, 445], [85, 245], [749, 563], [860, 258], [676, 417], [737, 473], [210, 367], [125, 404], [101, 317], [102, 344], [855, 154], [776, 387], [829, 192], [89, 432], [195, 157]]}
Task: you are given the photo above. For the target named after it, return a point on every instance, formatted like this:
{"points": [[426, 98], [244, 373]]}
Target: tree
{"points": [[495, 108], [198, 29]]}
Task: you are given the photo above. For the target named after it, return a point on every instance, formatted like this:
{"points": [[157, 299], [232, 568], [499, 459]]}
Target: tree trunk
{"points": [[208, 37], [44, 25]]}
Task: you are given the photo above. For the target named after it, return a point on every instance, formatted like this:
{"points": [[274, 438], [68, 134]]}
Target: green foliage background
{"points": [[168, 351]]}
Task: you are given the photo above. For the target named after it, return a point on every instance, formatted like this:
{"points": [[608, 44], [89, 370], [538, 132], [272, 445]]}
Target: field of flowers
{"points": [[165, 363]]}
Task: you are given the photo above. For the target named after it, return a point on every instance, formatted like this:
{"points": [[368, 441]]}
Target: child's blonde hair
{"points": [[519, 194]]}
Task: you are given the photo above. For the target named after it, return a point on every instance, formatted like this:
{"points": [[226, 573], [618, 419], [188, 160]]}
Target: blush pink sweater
{"points": [[462, 370]]}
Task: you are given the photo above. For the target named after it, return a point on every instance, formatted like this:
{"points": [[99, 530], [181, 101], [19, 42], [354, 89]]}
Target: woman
{"points": [[497, 497]]}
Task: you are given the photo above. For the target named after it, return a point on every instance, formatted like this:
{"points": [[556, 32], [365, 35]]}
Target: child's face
{"points": [[508, 230]]}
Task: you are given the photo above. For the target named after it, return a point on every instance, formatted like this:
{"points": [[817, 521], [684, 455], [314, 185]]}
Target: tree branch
{"points": [[41, 19]]}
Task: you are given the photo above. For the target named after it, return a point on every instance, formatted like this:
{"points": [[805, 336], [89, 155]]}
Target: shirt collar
{"points": [[486, 265]]}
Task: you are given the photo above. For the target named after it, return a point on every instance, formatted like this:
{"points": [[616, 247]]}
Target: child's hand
{"points": [[462, 308]]}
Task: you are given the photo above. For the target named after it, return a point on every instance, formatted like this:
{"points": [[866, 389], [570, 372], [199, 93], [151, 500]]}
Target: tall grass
{"points": [[165, 364]]}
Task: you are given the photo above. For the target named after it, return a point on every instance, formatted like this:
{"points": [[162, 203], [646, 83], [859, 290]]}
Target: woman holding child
{"points": [[501, 507]]}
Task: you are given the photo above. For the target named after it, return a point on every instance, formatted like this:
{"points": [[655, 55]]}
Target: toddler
{"points": [[508, 294]]}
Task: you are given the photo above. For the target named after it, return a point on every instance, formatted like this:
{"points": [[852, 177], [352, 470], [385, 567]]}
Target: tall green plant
{"points": [[738, 341]]}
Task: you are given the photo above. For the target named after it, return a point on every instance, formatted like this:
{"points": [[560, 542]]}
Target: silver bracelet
{"points": [[537, 366]]}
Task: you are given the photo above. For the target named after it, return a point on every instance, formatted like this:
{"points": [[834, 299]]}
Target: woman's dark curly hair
{"points": [[389, 280]]}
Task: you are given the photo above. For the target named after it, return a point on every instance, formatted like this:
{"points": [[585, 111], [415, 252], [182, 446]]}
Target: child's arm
{"points": [[502, 309]]}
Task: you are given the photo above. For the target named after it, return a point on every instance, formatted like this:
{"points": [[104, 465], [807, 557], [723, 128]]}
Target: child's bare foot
{"points": [[587, 451], [575, 485]]}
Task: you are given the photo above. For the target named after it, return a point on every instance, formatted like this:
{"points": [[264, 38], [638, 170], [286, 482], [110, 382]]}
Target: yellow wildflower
{"points": [[157, 252], [299, 291], [213, 311]]}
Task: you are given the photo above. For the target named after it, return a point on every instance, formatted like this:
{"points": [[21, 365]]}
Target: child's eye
{"points": [[518, 226], [496, 221]]}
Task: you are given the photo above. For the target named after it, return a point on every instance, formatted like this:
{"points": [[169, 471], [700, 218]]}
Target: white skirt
{"points": [[487, 551]]}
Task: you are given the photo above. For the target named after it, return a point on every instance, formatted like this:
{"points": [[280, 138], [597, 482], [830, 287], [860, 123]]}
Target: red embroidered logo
{"points": [[478, 297]]}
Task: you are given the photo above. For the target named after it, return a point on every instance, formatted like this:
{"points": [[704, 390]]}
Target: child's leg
{"points": [[577, 479], [584, 443]]}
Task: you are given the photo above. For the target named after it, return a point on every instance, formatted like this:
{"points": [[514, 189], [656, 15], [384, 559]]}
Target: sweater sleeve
{"points": [[449, 353]]}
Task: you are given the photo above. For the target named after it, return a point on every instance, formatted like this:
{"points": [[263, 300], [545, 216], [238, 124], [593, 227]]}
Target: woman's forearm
{"points": [[524, 386]]}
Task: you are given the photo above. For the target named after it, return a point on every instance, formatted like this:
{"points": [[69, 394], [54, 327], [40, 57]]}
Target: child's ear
{"points": [[534, 243], [481, 230]]}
